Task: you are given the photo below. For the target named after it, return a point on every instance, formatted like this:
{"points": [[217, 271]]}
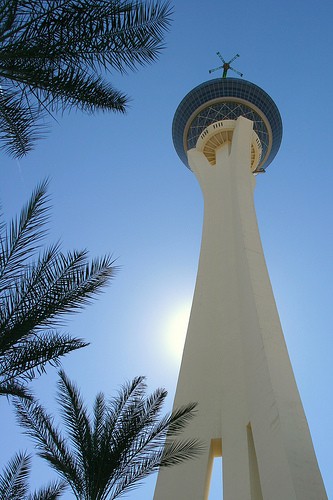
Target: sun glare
{"points": [[176, 327]]}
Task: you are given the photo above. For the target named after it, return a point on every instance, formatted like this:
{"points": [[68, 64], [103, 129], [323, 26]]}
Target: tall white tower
{"points": [[235, 362]]}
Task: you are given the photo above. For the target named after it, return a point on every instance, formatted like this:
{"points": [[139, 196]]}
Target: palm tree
{"points": [[53, 54], [14, 482], [35, 294], [106, 455]]}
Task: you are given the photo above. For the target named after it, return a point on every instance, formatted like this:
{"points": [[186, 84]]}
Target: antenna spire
{"points": [[226, 66]]}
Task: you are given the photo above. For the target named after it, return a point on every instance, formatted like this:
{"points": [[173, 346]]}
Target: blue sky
{"points": [[118, 186]]}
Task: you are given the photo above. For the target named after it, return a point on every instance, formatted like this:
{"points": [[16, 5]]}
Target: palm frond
{"points": [[8, 11], [122, 444], [135, 447], [95, 33], [22, 239], [50, 444], [18, 122], [171, 455], [75, 88], [14, 479], [53, 54], [118, 406], [27, 359], [15, 389], [99, 412], [180, 418], [51, 492], [35, 295], [176, 452], [57, 284], [152, 446], [54, 89], [14, 482], [76, 419]]}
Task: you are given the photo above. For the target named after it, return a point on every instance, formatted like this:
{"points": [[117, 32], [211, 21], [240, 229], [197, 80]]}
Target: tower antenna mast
{"points": [[226, 66]]}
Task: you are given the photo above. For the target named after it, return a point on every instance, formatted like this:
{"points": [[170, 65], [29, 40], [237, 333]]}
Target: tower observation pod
{"points": [[235, 362]]}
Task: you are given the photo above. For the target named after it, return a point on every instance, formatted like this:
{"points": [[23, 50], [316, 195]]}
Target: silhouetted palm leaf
{"points": [[34, 295], [20, 241], [14, 482], [53, 54], [15, 389], [106, 455], [51, 492]]}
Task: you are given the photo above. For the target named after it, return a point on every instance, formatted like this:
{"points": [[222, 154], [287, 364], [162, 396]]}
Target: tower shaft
{"points": [[235, 362]]}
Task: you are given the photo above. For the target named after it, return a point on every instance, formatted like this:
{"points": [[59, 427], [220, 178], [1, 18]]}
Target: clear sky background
{"points": [[118, 186]]}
